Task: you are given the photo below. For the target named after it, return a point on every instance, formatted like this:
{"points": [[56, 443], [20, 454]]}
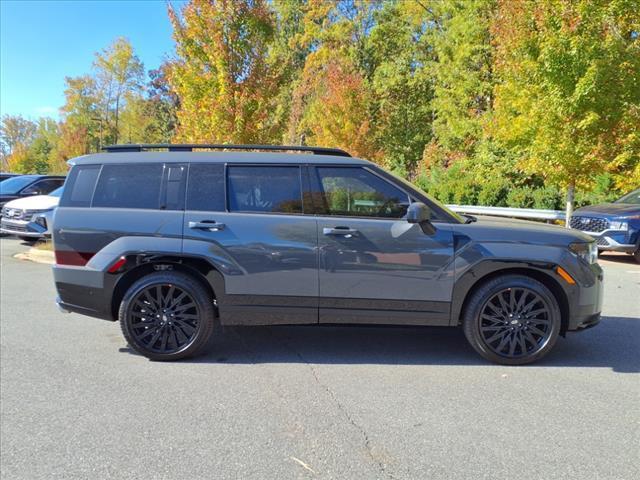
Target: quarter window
{"points": [[265, 189], [129, 186], [79, 187], [354, 191]]}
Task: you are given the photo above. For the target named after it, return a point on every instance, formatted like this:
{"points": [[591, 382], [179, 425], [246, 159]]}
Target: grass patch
{"points": [[44, 245]]}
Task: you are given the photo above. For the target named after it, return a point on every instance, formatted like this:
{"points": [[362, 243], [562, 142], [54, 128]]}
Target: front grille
{"points": [[589, 224], [602, 241], [19, 214], [13, 227]]}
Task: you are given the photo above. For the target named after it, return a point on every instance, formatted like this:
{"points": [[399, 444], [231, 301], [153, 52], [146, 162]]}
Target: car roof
{"points": [[214, 157]]}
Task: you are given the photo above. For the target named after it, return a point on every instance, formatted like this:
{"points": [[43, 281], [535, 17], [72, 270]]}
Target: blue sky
{"points": [[41, 42]]}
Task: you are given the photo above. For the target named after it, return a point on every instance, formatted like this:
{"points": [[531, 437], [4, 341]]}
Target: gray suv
{"points": [[172, 240]]}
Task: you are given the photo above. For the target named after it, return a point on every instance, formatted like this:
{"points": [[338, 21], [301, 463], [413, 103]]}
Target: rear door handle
{"points": [[210, 225], [346, 231]]}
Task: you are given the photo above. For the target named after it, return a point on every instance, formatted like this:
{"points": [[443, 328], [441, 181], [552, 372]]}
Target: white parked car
{"points": [[29, 218]]}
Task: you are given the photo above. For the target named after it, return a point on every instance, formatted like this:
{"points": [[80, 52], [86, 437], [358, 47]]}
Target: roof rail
{"points": [[189, 147]]}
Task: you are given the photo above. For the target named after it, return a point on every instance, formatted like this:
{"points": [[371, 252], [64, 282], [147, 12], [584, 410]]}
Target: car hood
{"points": [[37, 202], [609, 209], [498, 229]]}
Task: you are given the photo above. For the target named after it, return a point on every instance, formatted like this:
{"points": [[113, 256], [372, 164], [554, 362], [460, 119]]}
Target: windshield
{"points": [[411, 186], [13, 185], [57, 192], [633, 198]]}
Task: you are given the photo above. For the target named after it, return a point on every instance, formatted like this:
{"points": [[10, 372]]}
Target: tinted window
{"points": [[358, 192], [80, 185], [129, 186], [174, 186], [206, 187], [43, 187], [15, 184], [265, 189]]}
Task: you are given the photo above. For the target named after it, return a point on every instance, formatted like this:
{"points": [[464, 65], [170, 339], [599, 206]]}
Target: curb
{"points": [[37, 256]]}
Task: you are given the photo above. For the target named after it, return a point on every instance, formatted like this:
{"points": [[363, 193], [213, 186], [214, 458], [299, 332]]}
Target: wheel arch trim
{"points": [[484, 270]]}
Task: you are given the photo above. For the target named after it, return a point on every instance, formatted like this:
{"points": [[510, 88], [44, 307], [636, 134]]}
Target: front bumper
{"points": [[614, 240], [586, 302], [28, 228]]}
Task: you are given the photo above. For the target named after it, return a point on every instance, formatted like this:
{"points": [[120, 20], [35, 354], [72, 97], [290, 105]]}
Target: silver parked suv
{"points": [[172, 239]]}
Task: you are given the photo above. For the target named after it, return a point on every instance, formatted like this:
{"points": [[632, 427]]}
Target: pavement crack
{"points": [[363, 433]]}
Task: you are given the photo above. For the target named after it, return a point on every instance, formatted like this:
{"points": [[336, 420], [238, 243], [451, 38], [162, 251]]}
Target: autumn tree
{"points": [[16, 133], [226, 84]]}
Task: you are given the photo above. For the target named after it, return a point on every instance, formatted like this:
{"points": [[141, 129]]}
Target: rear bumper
{"points": [[83, 290]]}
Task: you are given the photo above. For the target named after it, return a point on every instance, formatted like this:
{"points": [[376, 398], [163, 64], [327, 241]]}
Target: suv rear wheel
{"points": [[512, 320], [167, 316]]}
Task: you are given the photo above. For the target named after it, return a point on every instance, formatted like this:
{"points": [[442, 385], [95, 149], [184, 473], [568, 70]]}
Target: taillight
{"points": [[71, 257]]}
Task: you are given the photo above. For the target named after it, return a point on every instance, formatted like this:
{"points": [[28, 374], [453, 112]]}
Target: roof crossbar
{"points": [[190, 147]]}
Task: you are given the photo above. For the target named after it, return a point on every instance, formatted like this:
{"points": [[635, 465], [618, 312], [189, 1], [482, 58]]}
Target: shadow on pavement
{"points": [[612, 344], [620, 258]]}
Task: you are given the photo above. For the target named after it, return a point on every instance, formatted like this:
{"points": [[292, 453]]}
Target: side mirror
{"points": [[419, 213]]}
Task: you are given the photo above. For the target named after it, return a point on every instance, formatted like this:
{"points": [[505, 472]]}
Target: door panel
{"points": [[374, 266], [269, 264], [386, 265]]}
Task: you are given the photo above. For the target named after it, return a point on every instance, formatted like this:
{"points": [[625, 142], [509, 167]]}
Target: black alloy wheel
{"points": [[164, 318], [515, 322], [167, 316], [512, 320]]}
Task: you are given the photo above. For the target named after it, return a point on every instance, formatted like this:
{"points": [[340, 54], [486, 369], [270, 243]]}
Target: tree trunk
{"points": [[117, 117], [569, 211]]}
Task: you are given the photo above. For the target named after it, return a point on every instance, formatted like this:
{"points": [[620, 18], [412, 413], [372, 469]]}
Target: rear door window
{"points": [[129, 186], [270, 189], [205, 189]]}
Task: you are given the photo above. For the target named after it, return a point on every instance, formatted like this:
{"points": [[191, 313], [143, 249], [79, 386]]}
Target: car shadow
{"points": [[611, 344], [620, 258]]}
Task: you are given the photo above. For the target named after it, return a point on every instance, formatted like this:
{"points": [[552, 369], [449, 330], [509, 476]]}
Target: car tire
{"points": [[505, 328], [636, 255], [167, 316]]}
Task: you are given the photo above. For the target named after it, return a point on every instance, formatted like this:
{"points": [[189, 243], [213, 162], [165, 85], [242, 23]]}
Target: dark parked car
{"points": [[171, 242], [615, 226], [27, 185], [5, 175]]}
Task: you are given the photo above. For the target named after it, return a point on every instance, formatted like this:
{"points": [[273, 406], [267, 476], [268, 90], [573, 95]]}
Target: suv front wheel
{"points": [[512, 320], [167, 316]]}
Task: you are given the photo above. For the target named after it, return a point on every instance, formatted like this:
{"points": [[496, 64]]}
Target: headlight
{"points": [[619, 225], [40, 220], [587, 251]]}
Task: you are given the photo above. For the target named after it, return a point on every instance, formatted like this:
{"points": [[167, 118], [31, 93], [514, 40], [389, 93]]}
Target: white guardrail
{"points": [[529, 213]]}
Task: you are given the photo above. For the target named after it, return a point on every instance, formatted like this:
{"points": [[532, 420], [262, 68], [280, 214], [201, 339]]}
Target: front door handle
{"points": [[346, 231], [210, 225]]}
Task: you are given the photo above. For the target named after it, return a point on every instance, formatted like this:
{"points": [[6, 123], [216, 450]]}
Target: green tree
{"points": [[119, 76], [402, 89], [569, 94], [462, 69]]}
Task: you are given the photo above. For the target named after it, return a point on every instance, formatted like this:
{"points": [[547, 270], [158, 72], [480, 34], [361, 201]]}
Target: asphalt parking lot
{"points": [[305, 402]]}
